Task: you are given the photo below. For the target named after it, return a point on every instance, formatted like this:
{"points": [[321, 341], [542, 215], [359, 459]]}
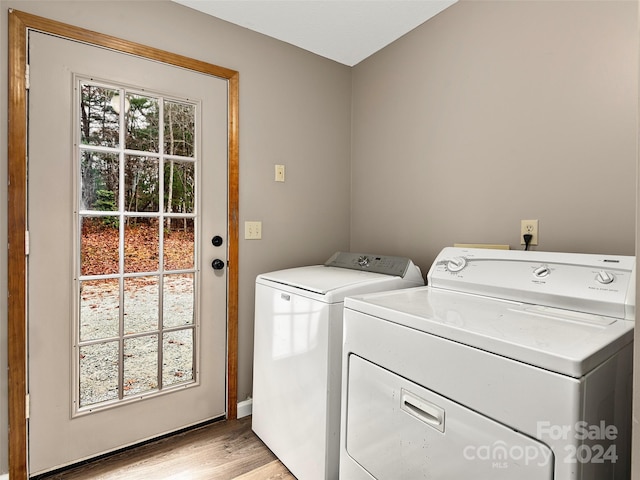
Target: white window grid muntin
{"points": [[122, 153]]}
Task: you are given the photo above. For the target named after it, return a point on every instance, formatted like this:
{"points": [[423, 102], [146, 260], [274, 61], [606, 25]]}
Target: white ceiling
{"points": [[347, 31]]}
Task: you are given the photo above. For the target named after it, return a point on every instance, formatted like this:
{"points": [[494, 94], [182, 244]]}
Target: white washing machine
{"points": [[508, 365], [297, 354]]}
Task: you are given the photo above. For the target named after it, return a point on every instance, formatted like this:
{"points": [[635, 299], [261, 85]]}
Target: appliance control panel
{"points": [[384, 264], [590, 283]]}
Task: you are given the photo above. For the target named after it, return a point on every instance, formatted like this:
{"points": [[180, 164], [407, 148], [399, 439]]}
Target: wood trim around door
{"points": [[19, 25]]}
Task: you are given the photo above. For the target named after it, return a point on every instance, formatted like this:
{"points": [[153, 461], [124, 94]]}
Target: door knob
{"points": [[217, 241], [217, 264]]}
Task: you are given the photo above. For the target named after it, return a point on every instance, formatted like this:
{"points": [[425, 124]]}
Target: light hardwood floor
{"points": [[226, 450]]}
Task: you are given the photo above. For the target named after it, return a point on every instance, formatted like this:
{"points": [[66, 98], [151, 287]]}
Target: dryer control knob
{"points": [[604, 277], [542, 271], [456, 264]]}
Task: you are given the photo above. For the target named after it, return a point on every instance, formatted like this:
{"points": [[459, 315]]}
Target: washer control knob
{"points": [[456, 264], [604, 277], [542, 271], [363, 260]]}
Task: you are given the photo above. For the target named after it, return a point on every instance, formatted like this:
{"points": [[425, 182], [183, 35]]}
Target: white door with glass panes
{"points": [[127, 186]]}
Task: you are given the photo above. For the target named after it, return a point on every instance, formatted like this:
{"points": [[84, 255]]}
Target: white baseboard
{"points": [[4, 476], [244, 410]]}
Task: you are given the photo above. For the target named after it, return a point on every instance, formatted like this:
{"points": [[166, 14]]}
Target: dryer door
{"points": [[397, 430]]}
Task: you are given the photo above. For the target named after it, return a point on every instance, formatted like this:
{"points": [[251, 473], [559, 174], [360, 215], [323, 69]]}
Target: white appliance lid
{"points": [[320, 279], [564, 341]]}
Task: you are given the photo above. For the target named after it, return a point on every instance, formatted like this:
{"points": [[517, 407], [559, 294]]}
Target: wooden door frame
{"points": [[20, 23]]}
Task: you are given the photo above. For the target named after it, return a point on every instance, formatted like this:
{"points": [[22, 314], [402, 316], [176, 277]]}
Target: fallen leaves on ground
{"points": [[100, 248]]}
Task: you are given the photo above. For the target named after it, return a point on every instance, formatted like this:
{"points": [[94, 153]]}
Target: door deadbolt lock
{"points": [[217, 241]]}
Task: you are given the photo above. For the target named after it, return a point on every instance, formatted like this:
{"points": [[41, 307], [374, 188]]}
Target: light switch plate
{"points": [[252, 230]]}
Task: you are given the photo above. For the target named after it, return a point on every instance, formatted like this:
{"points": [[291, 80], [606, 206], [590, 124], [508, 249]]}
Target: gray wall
{"points": [[489, 113], [294, 110], [493, 112]]}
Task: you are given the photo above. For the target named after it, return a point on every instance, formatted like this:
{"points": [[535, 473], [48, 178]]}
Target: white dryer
{"points": [[297, 354], [509, 365]]}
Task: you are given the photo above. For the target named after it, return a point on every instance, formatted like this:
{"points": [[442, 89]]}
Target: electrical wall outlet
{"points": [[530, 227], [279, 173], [252, 230]]}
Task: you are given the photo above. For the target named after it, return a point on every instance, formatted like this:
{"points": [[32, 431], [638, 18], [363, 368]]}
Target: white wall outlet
{"points": [[279, 173], [530, 227], [252, 230]]}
